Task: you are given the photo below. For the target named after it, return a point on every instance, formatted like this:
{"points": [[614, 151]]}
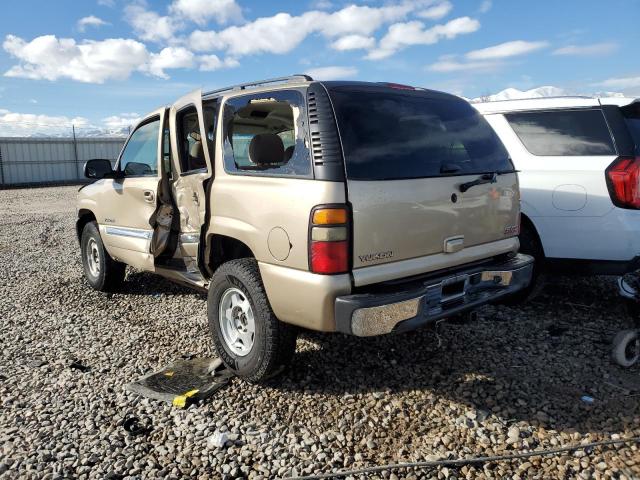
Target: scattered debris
{"points": [[587, 399], [135, 426], [37, 363], [217, 440], [184, 382], [78, 365]]}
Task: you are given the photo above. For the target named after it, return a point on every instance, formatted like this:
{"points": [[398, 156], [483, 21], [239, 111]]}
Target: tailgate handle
{"points": [[453, 244]]}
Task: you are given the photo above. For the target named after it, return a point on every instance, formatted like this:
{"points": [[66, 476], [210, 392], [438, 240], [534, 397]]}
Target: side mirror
{"points": [[97, 168]]}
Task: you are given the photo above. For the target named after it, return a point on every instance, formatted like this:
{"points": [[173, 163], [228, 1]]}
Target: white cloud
{"points": [[107, 3], [451, 64], [332, 73], [201, 11], [26, 124], [170, 57], [282, 32], [149, 25], [437, 11], [322, 4], [122, 121], [620, 82], [50, 58], [90, 21], [401, 35], [587, 50], [209, 63], [485, 6], [505, 50], [353, 42], [486, 59]]}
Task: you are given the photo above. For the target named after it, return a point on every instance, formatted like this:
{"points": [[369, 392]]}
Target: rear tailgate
{"points": [[407, 153]]}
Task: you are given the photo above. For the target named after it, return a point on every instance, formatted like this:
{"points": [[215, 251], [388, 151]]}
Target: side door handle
{"points": [[149, 196]]}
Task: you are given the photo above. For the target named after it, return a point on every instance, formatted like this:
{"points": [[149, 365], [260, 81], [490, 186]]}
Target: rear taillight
{"points": [[329, 240], [623, 181]]}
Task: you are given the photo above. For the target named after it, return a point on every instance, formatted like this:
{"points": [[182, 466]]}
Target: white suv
{"points": [[579, 163]]}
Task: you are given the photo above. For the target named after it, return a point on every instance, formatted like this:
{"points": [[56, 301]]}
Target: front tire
{"points": [[102, 272], [248, 337]]}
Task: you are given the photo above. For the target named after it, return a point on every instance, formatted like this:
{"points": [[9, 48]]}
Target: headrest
{"points": [[196, 150], [288, 153], [266, 149]]}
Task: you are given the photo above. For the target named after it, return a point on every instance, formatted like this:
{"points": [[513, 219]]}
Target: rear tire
{"points": [[626, 348], [530, 245], [102, 272], [246, 334]]}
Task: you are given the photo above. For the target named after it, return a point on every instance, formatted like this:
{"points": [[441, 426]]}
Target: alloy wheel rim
{"points": [[237, 322], [93, 257]]}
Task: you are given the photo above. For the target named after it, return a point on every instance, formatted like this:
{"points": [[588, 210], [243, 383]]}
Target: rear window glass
{"points": [[631, 115], [388, 135], [563, 132]]}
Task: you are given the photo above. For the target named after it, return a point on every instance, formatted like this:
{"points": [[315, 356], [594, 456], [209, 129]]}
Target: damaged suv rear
{"points": [[349, 207]]}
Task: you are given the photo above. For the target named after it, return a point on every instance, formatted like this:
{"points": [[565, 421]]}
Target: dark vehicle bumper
{"points": [[369, 314]]}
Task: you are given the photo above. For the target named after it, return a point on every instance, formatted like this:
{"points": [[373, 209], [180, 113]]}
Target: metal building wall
{"points": [[51, 160]]}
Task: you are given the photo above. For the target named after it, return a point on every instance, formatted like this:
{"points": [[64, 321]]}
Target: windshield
{"points": [[389, 135]]}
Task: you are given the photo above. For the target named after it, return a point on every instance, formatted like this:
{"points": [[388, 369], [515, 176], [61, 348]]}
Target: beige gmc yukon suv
{"points": [[361, 208]]}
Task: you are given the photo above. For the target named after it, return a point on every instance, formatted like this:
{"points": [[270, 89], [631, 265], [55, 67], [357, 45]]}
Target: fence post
{"points": [[75, 151], [1, 167]]}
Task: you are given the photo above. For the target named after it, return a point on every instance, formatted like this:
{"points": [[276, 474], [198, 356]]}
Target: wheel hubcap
{"points": [[236, 321], [93, 257]]}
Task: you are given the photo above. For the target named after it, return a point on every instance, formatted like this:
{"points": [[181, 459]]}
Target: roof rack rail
{"points": [[243, 86]]}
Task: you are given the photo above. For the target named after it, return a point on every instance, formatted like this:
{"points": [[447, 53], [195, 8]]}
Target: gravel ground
{"points": [[512, 380]]}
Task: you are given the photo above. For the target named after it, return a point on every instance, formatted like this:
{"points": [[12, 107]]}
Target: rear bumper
{"points": [[368, 314]]}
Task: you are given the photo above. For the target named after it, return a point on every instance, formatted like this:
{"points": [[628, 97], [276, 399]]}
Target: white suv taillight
{"points": [[623, 181], [329, 240]]}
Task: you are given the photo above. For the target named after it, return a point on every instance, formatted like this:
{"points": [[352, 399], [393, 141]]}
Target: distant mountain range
{"points": [[539, 92]]}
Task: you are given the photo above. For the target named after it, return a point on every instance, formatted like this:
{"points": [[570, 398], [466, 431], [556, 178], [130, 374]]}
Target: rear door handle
{"points": [[149, 196]]}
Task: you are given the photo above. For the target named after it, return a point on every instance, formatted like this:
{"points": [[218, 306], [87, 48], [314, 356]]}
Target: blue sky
{"points": [[105, 62]]}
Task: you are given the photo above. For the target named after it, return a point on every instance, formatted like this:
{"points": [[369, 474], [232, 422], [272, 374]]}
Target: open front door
{"points": [[192, 128], [132, 196]]}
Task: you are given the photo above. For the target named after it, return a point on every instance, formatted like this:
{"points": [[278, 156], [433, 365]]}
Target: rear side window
{"points": [[265, 134], [631, 114], [563, 132], [389, 135]]}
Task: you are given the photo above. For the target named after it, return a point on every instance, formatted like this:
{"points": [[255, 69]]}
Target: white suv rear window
{"points": [[563, 132]]}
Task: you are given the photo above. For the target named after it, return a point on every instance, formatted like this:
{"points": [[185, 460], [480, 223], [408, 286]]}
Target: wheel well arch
{"points": [[223, 248], [526, 222], [84, 216]]}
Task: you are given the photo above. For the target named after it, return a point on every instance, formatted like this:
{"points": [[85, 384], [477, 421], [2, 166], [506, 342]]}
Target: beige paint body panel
{"points": [[414, 218], [249, 207], [122, 204], [303, 298]]}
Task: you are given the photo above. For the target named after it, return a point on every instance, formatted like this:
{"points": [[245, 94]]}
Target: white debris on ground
{"points": [[513, 380]]}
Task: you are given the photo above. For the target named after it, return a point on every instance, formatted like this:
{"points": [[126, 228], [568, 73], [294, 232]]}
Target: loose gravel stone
{"points": [[511, 380]]}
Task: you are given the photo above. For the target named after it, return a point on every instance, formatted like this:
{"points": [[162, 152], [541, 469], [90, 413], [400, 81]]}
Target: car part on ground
{"points": [[183, 382]]}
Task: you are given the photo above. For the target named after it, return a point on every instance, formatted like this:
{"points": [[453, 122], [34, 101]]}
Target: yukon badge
{"points": [[370, 257], [511, 230]]}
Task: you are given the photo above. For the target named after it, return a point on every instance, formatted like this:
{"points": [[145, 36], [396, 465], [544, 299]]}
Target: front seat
{"points": [[266, 150], [196, 156]]}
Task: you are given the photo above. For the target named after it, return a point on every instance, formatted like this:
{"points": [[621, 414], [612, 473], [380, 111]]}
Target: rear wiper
{"points": [[485, 178]]}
